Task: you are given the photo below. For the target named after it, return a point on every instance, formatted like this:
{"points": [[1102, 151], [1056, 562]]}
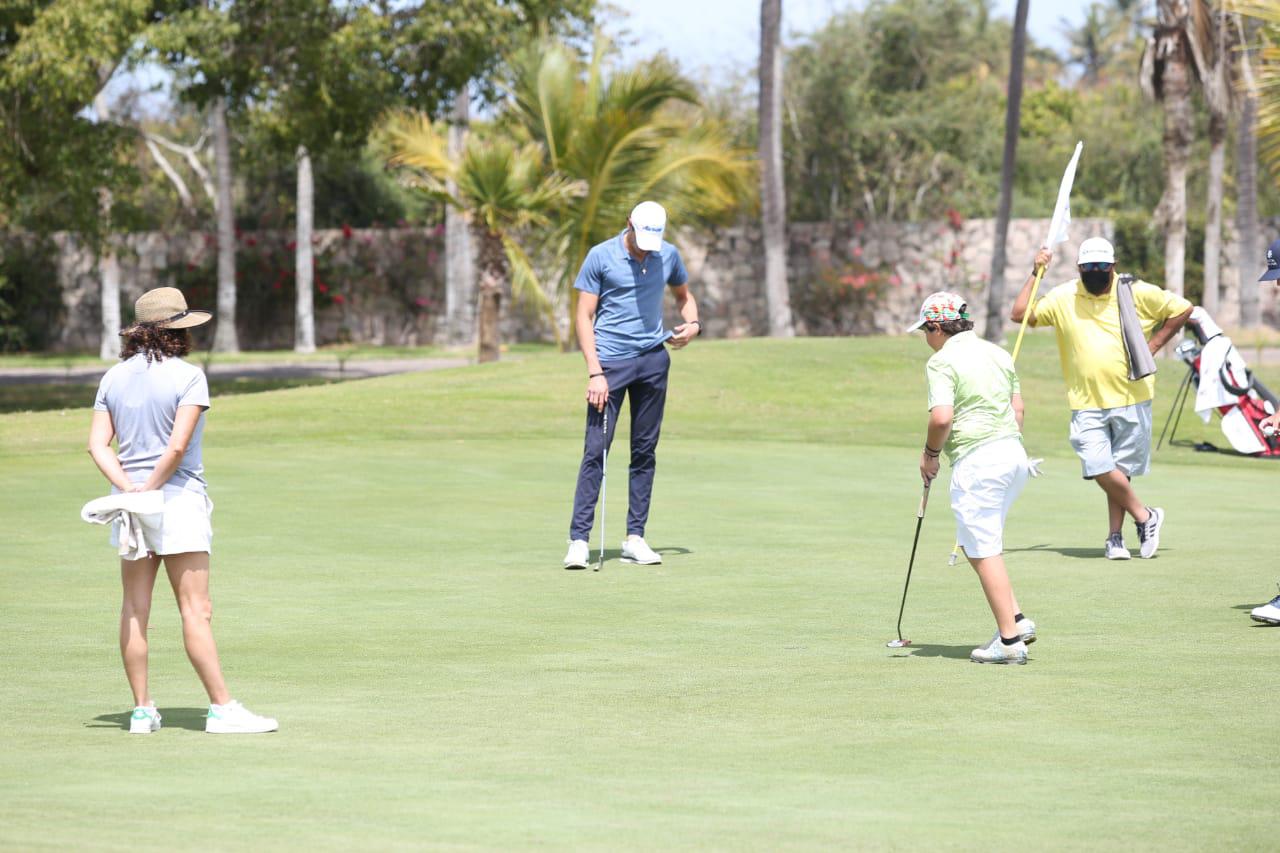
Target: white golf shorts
{"points": [[1111, 439], [184, 526], [984, 484]]}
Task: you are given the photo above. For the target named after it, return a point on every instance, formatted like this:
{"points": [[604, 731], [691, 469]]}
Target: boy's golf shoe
{"points": [[1268, 614], [997, 652]]}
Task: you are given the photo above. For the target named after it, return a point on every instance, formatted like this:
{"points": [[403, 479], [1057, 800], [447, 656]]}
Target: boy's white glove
{"points": [[1033, 467]]}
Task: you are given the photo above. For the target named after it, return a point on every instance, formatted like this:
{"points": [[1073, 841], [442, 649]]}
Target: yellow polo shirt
{"points": [[1088, 327]]}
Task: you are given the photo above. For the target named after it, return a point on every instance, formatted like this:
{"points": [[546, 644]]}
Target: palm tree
{"points": [[504, 189], [1216, 46], [1170, 64], [1012, 121], [773, 193], [634, 136], [1247, 152]]}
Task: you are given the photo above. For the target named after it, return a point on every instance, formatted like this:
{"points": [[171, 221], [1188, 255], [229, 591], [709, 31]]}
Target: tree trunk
{"points": [[773, 195], [225, 338], [1012, 121], [492, 277], [459, 267], [304, 330], [1171, 214], [1213, 213], [1247, 192], [108, 263]]}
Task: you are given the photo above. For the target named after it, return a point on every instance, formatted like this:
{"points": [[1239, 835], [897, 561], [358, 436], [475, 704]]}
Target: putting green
{"points": [[387, 583]]}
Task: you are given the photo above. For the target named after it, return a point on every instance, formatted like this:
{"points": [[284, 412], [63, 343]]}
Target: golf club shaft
{"points": [[604, 481], [924, 502]]}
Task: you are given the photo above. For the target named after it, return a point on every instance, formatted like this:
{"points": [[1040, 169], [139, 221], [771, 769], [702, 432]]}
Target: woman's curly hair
{"points": [[156, 343], [955, 327]]}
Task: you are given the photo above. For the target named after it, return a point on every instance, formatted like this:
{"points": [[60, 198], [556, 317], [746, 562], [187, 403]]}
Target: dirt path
{"points": [[362, 369]]}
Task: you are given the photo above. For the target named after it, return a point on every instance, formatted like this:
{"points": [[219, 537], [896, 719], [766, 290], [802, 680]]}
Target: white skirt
{"points": [[184, 526]]}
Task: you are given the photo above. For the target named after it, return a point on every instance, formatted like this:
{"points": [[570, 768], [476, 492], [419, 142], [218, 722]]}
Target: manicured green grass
{"points": [[387, 583]]}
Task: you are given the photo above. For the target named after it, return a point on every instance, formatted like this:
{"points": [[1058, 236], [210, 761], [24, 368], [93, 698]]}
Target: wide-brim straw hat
{"points": [[165, 308]]}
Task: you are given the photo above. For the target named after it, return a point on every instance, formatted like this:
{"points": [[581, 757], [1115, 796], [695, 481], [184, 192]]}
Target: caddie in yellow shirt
{"points": [[1110, 413]]}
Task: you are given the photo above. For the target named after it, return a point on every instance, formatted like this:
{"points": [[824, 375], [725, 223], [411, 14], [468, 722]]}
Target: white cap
{"points": [[1096, 250], [649, 221]]}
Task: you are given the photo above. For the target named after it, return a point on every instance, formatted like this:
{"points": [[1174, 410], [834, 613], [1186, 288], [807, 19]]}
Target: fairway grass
{"points": [[387, 583]]}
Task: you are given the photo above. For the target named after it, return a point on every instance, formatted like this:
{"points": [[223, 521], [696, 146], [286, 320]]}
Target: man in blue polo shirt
{"points": [[619, 323]]}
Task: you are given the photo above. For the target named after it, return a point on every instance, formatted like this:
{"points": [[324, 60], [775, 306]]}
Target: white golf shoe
{"points": [[1268, 614], [235, 719], [636, 550], [578, 555], [144, 720], [1114, 548], [1149, 532], [997, 652], [1026, 630]]}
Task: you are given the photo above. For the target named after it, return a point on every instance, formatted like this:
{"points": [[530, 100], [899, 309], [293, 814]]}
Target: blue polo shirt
{"points": [[629, 316]]}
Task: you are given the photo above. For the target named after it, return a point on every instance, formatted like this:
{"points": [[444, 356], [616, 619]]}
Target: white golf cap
{"points": [[1096, 250], [649, 221], [940, 307]]}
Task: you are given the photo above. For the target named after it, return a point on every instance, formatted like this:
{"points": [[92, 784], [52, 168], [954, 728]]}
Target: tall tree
{"points": [[108, 262], [225, 336], [1216, 46], [1247, 176], [459, 269], [773, 193], [996, 308], [1170, 67]]}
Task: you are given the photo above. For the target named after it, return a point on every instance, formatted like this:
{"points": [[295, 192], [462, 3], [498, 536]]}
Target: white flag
{"points": [[1062, 211]]}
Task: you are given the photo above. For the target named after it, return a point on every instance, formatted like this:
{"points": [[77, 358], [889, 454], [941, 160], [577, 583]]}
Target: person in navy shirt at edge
{"points": [[619, 323]]}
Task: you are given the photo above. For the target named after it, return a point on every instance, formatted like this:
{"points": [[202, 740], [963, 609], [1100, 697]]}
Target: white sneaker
{"points": [[579, 554], [145, 720], [635, 550], [1268, 613], [1115, 549], [997, 652], [1149, 532], [1026, 630], [235, 719]]}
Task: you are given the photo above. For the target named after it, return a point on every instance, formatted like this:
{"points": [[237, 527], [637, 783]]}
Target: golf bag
{"points": [[1222, 381]]}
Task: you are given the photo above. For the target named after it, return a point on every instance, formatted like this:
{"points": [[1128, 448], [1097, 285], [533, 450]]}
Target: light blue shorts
{"points": [[1113, 439]]}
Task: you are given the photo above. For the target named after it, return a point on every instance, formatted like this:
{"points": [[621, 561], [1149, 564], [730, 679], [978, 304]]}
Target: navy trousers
{"points": [[644, 379]]}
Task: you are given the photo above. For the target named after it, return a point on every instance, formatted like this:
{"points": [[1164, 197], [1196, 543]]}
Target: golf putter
{"points": [[604, 481], [924, 502]]}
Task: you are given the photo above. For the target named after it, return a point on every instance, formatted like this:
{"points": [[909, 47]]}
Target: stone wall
{"points": [[387, 286]]}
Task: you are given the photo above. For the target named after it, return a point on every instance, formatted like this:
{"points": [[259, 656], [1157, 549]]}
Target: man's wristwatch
{"points": [[697, 323]]}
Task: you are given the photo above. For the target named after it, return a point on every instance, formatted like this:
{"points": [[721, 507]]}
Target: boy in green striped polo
{"points": [[975, 414]]}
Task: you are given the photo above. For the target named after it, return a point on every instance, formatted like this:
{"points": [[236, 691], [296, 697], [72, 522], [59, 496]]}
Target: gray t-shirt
{"points": [[143, 400]]}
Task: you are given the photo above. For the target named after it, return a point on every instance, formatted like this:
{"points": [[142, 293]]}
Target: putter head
{"points": [[898, 643]]}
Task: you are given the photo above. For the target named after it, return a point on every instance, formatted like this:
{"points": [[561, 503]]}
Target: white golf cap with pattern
{"points": [[649, 221], [1096, 250], [940, 307]]}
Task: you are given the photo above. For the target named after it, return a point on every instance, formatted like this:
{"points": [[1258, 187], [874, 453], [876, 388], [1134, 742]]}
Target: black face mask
{"points": [[1096, 282]]}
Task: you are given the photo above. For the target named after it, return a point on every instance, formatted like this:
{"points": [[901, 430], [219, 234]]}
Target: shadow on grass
{"points": [[191, 719], [615, 555], [926, 650]]}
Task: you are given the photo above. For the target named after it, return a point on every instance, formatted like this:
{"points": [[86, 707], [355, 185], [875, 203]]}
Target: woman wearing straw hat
{"points": [[153, 404]]}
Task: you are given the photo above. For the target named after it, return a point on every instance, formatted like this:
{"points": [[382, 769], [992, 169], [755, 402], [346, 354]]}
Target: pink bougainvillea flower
{"points": [[857, 251], [339, 299], [346, 231], [322, 287]]}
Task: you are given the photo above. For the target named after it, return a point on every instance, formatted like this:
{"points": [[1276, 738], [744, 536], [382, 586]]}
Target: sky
{"points": [[723, 35]]}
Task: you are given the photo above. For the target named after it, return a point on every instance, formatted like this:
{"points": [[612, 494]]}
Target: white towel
{"points": [[125, 508]]}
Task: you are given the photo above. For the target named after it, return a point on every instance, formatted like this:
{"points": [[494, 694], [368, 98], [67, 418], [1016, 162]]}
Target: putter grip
{"points": [[924, 502]]}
